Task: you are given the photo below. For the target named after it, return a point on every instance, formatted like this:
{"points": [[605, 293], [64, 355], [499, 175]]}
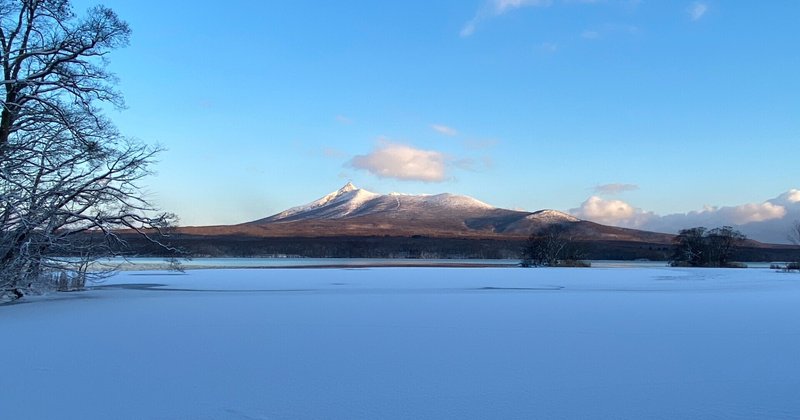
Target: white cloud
{"points": [[610, 189], [596, 208], [712, 216], [789, 197], [444, 130], [391, 160], [469, 28], [697, 10], [496, 8], [749, 213], [611, 212], [768, 221], [493, 8]]}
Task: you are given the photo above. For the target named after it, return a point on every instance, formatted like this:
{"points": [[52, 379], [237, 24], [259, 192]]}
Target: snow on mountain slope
{"points": [[352, 211], [344, 201], [351, 201], [552, 216], [533, 222], [458, 201]]}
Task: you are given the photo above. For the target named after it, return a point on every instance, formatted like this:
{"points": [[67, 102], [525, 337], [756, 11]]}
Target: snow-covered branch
{"points": [[68, 179]]}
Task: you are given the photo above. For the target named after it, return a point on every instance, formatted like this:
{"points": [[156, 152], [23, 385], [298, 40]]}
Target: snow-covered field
{"points": [[411, 343]]}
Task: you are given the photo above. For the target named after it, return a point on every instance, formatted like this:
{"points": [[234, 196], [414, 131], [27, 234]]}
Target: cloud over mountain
{"points": [[399, 161], [768, 221], [611, 212]]}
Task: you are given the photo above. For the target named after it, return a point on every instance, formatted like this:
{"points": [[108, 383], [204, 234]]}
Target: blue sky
{"points": [[673, 106]]}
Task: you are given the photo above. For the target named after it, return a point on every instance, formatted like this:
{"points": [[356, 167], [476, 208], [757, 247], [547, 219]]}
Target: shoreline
{"points": [[156, 267]]}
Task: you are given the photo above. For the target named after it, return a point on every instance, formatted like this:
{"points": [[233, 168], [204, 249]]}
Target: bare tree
{"points": [[699, 247], [68, 178], [722, 242], [690, 247], [549, 246]]}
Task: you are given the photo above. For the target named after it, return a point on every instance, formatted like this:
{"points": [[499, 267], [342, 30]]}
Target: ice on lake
{"points": [[408, 343]]}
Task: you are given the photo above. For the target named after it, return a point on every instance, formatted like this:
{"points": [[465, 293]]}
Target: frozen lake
{"points": [[409, 343]]}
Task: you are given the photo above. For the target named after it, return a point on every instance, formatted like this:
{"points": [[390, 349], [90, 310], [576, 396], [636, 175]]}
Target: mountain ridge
{"points": [[351, 201], [352, 222], [352, 211]]}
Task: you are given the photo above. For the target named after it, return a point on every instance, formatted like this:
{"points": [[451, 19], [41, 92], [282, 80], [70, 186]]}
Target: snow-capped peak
{"points": [[350, 200], [552, 216], [347, 188], [350, 196]]}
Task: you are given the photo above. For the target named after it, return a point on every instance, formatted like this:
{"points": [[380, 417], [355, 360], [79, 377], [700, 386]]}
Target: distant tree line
{"points": [[423, 247]]}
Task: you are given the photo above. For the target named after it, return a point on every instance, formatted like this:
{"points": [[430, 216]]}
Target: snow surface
{"points": [[410, 343]]}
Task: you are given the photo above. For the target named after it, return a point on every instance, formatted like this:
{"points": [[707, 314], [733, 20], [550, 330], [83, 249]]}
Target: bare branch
{"points": [[68, 179]]}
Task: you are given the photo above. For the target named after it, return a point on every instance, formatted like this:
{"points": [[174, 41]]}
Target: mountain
{"points": [[351, 202], [355, 223], [352, 211]]}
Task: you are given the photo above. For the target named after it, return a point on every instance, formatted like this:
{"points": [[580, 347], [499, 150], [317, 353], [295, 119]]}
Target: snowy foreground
{"points": [[411, 343]]}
